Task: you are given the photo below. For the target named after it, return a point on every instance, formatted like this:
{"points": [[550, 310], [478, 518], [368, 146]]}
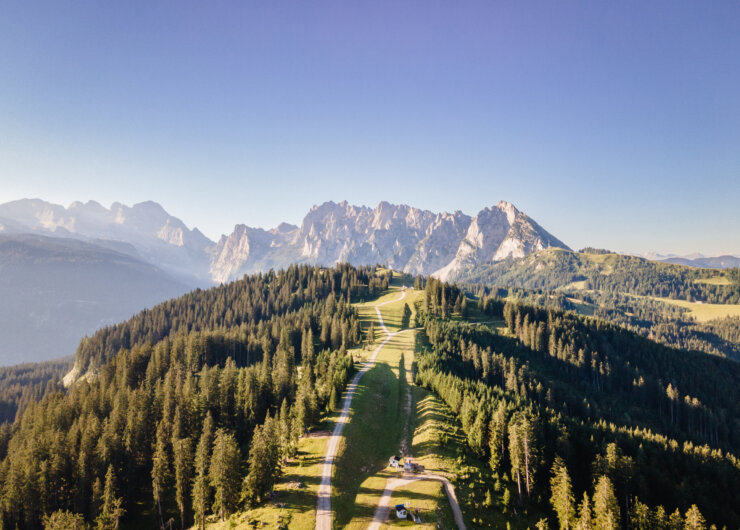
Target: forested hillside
{"points": [[556, 268], [632, 292], [26, 383], [584, 420], [189, 408]]}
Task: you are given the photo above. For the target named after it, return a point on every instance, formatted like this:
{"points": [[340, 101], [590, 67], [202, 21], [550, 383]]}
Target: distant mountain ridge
{"points": [[55, 290], [146, 229], [403, 237]]}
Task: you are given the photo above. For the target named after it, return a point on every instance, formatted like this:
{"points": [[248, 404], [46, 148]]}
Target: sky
{"points": [[612, 124]]}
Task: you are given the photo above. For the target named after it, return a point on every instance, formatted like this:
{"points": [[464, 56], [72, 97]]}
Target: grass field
{"points": [[704, 312], [716, 280]]}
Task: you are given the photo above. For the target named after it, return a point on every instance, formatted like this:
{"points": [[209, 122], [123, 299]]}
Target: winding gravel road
{"points": [[323, 504]]}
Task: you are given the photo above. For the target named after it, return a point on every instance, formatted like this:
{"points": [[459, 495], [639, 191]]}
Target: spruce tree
{"points": [[264, 462], [112, 509], [562, 499], [160, 471], [201, 485], [497, 437], [606, 507], [585, 521], [183, 461], [224, 473], [694, 519]]}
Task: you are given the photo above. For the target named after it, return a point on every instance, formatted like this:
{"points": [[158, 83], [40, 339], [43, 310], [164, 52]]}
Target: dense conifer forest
{"points": [[584, 420], [187, 409], [623, 290], [25, 383], [610, 273]]}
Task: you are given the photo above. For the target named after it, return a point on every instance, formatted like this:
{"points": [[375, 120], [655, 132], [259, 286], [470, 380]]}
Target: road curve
{"points": [[323, 504], [381, 512]]}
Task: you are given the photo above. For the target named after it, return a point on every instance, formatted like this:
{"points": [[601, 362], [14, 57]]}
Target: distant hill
{"points": [[564, 269], [633, 292], [56, 290], [718, 262]]}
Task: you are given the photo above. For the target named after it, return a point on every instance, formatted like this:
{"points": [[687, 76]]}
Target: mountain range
{"points": [[63, 269], [399, 236], [68, 271]]}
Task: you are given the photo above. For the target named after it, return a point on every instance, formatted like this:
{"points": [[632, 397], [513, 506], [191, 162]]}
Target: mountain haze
{"points": [[56, 290], [148, 231]]}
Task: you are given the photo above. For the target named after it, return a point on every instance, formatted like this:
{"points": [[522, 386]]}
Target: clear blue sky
{"points": [[613, 124]]}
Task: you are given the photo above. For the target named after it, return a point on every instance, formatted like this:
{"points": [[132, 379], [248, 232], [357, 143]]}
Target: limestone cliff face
{"points": [[400, 236], [496, 234]]}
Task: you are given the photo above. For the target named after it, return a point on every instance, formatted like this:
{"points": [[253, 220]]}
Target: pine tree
{"points": [[606, 507], [585, 521], [562, 499], [224, 473], [694, 519], [201, 485], [112, 509], [160, 471], [497, 437], [183, 461]]}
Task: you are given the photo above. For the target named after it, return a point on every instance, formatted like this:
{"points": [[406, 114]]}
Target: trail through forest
{"points": [[323, 504]]}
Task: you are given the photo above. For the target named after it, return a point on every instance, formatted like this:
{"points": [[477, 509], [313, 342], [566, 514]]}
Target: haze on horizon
{"points": [[614, 126]]}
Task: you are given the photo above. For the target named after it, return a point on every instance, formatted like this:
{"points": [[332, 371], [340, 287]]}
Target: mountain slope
{"points": [[56, 290], [155, 235], [717, 262]]}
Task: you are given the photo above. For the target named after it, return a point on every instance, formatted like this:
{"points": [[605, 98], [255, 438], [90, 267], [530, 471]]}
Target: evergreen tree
{"points": [[160, 471], [264, 462], [183, 461], [112, 509], [64, 520], [585, 521], [694, 519], [497, 437], [606, 507], [201, 485], [224, 473], [562, 499]]}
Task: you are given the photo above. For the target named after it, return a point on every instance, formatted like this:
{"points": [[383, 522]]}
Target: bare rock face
{"points": [[496, 234], [399, 236]]}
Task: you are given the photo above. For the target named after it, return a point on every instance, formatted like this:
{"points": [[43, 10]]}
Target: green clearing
{"points": [[704, 312], [715, 280], [379, 416]]}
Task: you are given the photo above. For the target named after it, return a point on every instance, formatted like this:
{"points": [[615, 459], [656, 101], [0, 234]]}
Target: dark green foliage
{"points": [[25, 383], [611, 273], [169, 403], [660, 424]]}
